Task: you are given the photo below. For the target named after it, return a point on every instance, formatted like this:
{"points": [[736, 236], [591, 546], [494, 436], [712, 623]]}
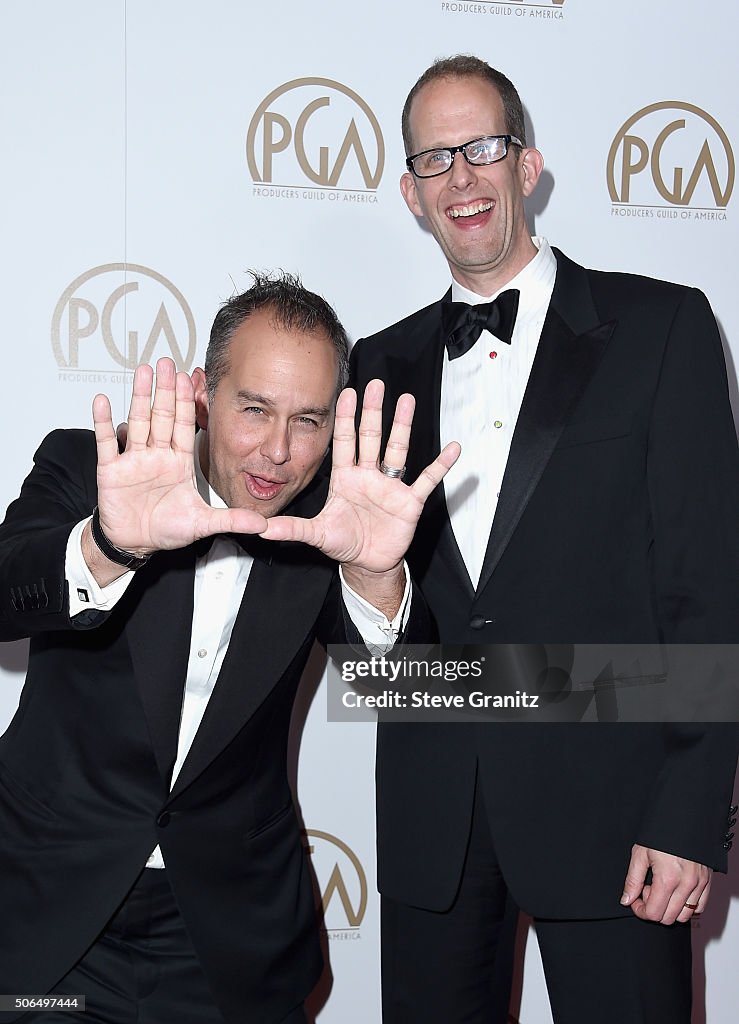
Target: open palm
{"points": [[147, 494], [369, 518]]}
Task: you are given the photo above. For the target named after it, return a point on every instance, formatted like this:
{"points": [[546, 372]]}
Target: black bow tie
{"points": [[251, 543], [463, 324]]}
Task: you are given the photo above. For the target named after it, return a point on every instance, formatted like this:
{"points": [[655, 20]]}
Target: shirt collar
{"points": [[534, 282]]}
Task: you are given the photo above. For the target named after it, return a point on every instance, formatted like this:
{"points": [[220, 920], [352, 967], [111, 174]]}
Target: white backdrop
{"points": [[156, 149]]}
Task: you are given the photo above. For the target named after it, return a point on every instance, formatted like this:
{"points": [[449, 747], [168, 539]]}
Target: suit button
{"points": [[477, 622], [728, 845], [728, 836], [164, 819], [733, 809], [732, 822]]}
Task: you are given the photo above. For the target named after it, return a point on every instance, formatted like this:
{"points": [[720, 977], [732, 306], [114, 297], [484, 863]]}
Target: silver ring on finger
{"points": [[394, 474]]}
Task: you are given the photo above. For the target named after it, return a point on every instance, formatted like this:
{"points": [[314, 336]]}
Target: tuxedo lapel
{"points": [[278, 602], [421, 373], [277, 614], [418, 370], [571, 345], [159, 633]]}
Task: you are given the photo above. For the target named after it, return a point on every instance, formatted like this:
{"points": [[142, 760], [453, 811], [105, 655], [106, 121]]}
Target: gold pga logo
{"points": [[674, 152], [318, 130], [126, 310], [341, 879]]}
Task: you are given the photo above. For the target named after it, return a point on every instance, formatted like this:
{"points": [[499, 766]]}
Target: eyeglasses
{"points": [[487, 150]]}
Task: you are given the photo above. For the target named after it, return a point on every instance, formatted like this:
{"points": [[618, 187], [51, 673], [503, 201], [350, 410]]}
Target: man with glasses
{"points": [[594, 502]]}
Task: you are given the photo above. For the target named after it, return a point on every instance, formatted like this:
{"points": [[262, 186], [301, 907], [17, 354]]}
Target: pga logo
{"points": [[118, 315], [671, 153], [315, 131]]}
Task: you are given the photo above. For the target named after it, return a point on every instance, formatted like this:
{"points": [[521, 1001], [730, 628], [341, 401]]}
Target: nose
{"points": [[461, 174], [275, 444]]}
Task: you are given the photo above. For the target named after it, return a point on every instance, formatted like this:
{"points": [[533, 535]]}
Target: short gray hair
{"points": [[293, 307]]}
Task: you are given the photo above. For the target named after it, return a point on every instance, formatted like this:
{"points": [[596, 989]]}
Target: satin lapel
{"points": [[417, 368], [571, 345], [159, 631], [422, 374], [277, 614]]}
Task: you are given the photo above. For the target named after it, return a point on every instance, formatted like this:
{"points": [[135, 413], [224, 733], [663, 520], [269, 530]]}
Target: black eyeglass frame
{"points": [[510, 140]]}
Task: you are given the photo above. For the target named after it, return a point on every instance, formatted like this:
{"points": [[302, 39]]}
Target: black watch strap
{"points": [[111, 552]]}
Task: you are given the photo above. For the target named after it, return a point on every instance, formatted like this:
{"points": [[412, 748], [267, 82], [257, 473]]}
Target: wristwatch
{"points": [[114, 554]]}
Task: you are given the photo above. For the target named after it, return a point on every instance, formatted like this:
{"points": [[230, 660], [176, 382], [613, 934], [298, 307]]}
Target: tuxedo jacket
{"points": [[616, 523], [86, 763]]}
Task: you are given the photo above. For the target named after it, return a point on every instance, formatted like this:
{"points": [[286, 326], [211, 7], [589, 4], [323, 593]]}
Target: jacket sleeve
{"points": [[693, 475], [335, 625], [58, 493]]}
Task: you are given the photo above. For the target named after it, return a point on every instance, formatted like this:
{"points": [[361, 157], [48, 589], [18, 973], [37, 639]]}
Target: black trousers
{"points": [[452, 967], [142, 969]]}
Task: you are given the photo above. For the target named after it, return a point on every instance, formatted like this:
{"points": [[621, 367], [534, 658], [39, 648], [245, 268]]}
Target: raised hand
{"points": [[147, 495], [369, 518]]}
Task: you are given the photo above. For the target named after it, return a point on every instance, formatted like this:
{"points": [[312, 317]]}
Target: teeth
{"points": [[469, 211]]}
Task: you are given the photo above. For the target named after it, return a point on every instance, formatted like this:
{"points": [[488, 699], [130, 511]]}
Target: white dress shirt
{"points": [[481, 396], [221, 576]]}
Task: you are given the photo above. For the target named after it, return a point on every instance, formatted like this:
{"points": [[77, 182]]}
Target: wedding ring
{"points": [[394, 474], [691, 906]]}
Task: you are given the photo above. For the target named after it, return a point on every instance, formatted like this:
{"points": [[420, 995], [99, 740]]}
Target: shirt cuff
{"points": [[85, 593], [377, 631]]}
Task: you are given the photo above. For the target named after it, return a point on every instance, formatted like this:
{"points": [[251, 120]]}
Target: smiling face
{"points": [[269, 423], [476, 214]]}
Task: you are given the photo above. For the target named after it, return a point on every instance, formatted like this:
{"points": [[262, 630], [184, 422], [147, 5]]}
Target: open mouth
{"points": [[261, 488], [470, 210]]}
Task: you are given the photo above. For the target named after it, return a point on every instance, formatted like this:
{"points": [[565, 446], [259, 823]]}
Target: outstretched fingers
{"points": [[433, 474], [183, 431], [139, 411], [162, 417], [396, 449], [167, 421], [370, 425], [105, 436], [344, 441]]}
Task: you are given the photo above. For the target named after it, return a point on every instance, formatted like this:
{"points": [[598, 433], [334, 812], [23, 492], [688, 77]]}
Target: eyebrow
{"points": [[245, 395]]}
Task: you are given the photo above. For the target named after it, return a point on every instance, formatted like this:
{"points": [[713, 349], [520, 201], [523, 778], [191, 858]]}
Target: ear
{"points": [[409, 193], [531, 165], [201, 398]]}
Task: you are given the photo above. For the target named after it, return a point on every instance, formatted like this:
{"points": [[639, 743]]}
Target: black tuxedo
{"points": [[86, 763], [616, 523]]}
